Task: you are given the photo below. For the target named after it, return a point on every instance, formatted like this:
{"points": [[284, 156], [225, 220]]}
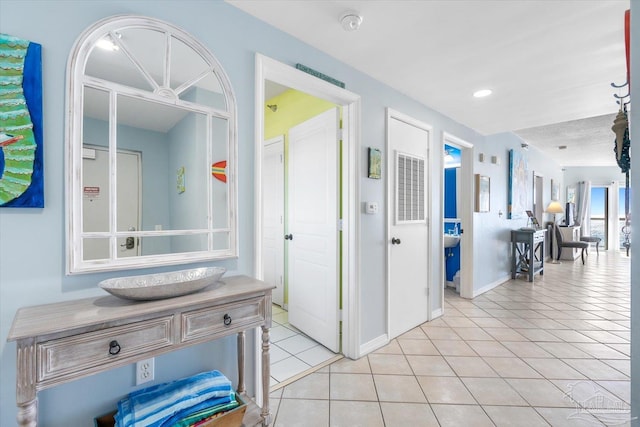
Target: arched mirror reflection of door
{"points": [[139, 85]]}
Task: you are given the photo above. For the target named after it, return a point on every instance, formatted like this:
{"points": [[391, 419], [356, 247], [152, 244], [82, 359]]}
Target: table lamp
{"points": [[554, 208]]}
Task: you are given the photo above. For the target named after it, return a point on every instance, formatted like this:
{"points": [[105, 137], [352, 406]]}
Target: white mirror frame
{"points": [[73, 155]]}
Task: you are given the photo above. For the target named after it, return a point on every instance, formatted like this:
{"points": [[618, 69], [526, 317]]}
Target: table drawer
{"points": [[82, 352], [222, 319]]}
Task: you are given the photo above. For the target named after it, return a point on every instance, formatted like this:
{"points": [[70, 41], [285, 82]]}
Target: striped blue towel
{"points": [[152, 406]]}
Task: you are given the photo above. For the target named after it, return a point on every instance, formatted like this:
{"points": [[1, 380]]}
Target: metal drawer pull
{"points": [[114, 348], [227, 320]]}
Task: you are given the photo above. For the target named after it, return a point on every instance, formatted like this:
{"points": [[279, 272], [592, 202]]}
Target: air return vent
{"points": [[409, 189]]}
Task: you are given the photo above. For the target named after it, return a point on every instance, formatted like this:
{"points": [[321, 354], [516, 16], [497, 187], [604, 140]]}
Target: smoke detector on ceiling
{"points": [[351, 21]]}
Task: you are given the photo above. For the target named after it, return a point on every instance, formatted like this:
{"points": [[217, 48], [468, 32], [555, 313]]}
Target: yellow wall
{"points": [[294, 107]]}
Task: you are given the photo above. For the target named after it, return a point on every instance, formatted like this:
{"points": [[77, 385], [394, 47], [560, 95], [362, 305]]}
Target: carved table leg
{"points": [[241, 339], [26, 383], [266, 377], [28, 414]]}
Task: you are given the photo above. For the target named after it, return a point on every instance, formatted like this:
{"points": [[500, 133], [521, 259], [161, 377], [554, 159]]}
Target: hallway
{"points": [[552, 352]]}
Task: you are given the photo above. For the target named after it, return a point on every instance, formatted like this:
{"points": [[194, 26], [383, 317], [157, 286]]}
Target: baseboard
{"points": [[436, 313], [491, 285], [373, 345]]}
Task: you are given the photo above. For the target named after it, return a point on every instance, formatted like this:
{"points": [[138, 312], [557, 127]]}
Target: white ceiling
{"points": [[547, 62]]}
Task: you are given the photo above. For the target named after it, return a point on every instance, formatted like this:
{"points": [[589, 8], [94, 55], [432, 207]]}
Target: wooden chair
{"points": [[571, 244]]}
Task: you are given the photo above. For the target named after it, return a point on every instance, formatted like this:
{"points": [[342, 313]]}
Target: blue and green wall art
{"points": [[21, 175]]}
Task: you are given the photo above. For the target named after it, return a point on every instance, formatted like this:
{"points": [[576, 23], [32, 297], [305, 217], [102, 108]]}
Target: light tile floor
{"points": [[292, 353], [552, 352]]}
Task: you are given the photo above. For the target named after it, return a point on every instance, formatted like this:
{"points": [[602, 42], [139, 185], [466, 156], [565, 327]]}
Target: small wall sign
{"points": [[91, 192]]}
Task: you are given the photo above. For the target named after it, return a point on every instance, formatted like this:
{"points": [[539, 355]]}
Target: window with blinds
{"points": [[410, 203]]}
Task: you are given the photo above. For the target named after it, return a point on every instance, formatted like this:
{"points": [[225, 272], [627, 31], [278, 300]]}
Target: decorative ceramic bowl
{"points": [[163, 285]]}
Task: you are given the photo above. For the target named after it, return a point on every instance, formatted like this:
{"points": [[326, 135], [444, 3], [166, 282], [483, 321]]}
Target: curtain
{"points": [[584, 207]]}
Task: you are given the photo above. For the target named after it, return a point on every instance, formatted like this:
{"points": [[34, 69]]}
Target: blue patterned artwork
{"points": [[519, 188], [21, 176]]}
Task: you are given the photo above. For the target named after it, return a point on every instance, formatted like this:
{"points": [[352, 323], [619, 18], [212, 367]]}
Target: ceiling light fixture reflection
{"points": [[448, 157], [107, 43], [482, 93]]}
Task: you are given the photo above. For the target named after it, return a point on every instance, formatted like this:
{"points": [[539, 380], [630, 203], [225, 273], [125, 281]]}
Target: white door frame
{"points": [[465, 212], [393, 114], [277, 143], [278, 72]]}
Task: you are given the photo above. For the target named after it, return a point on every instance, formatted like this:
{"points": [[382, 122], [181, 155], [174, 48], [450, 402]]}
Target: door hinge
{"points": [[281, 158], [341, 134], [340, 224], [340, 315]]}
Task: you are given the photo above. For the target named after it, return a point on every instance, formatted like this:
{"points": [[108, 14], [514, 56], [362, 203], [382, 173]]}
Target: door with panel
{"points": [[312, 228], [96, 201], [408, 238]]}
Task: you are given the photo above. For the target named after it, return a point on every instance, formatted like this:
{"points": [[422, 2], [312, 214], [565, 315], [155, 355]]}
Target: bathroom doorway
{"points": [[300, 196], [458, 220], [270, 72]]}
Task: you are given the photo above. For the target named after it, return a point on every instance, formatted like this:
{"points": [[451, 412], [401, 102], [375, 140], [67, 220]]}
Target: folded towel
{"points": [[204, 410], [152, 406]]}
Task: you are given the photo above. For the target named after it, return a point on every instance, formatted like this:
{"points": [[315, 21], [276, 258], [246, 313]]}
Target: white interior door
{"points": [[273, 208], [408, 231], [95, 208], [312, 239]]}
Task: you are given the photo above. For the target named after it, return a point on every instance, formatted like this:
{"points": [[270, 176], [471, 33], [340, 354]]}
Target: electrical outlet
{"points": [[145, 371]]}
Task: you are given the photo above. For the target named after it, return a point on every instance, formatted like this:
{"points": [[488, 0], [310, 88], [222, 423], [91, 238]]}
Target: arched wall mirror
{"points": [[151, 149]]}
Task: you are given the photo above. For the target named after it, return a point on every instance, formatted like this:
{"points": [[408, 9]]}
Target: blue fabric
{"points": [[217, 404], [153, 406]]}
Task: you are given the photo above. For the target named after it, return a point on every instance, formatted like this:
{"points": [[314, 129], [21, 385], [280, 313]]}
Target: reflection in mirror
{"points": [[151, 149]]}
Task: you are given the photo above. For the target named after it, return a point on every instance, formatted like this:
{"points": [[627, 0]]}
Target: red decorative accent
{"points": [[6, 139], [627, 42], [218, 170]]}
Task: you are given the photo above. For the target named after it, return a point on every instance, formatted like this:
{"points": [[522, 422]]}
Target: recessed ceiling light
{"points": [[482, 93]]}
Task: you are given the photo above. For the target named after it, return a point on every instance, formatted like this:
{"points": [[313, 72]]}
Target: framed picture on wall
{"points": [[555, 190], [375, 163], [571, 194], [483, 193], [519, 185]]}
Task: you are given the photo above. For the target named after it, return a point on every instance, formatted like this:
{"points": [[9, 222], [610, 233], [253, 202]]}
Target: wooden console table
{"points": [[527, 252], [62, 342]]}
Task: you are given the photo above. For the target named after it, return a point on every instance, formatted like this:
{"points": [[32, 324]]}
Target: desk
{"points": [[62, 342], [527, 252]]}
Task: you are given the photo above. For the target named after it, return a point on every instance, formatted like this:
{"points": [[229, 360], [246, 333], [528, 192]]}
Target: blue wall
{"points": [[234, 37]]}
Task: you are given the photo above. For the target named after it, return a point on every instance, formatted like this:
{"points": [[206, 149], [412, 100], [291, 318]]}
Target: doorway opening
{"points": [[271, 72], [599, 215], [301, 197], [464, 201]]}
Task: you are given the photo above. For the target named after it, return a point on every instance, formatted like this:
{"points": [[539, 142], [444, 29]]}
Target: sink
{"points": [[163, 285], [450, 240]]}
